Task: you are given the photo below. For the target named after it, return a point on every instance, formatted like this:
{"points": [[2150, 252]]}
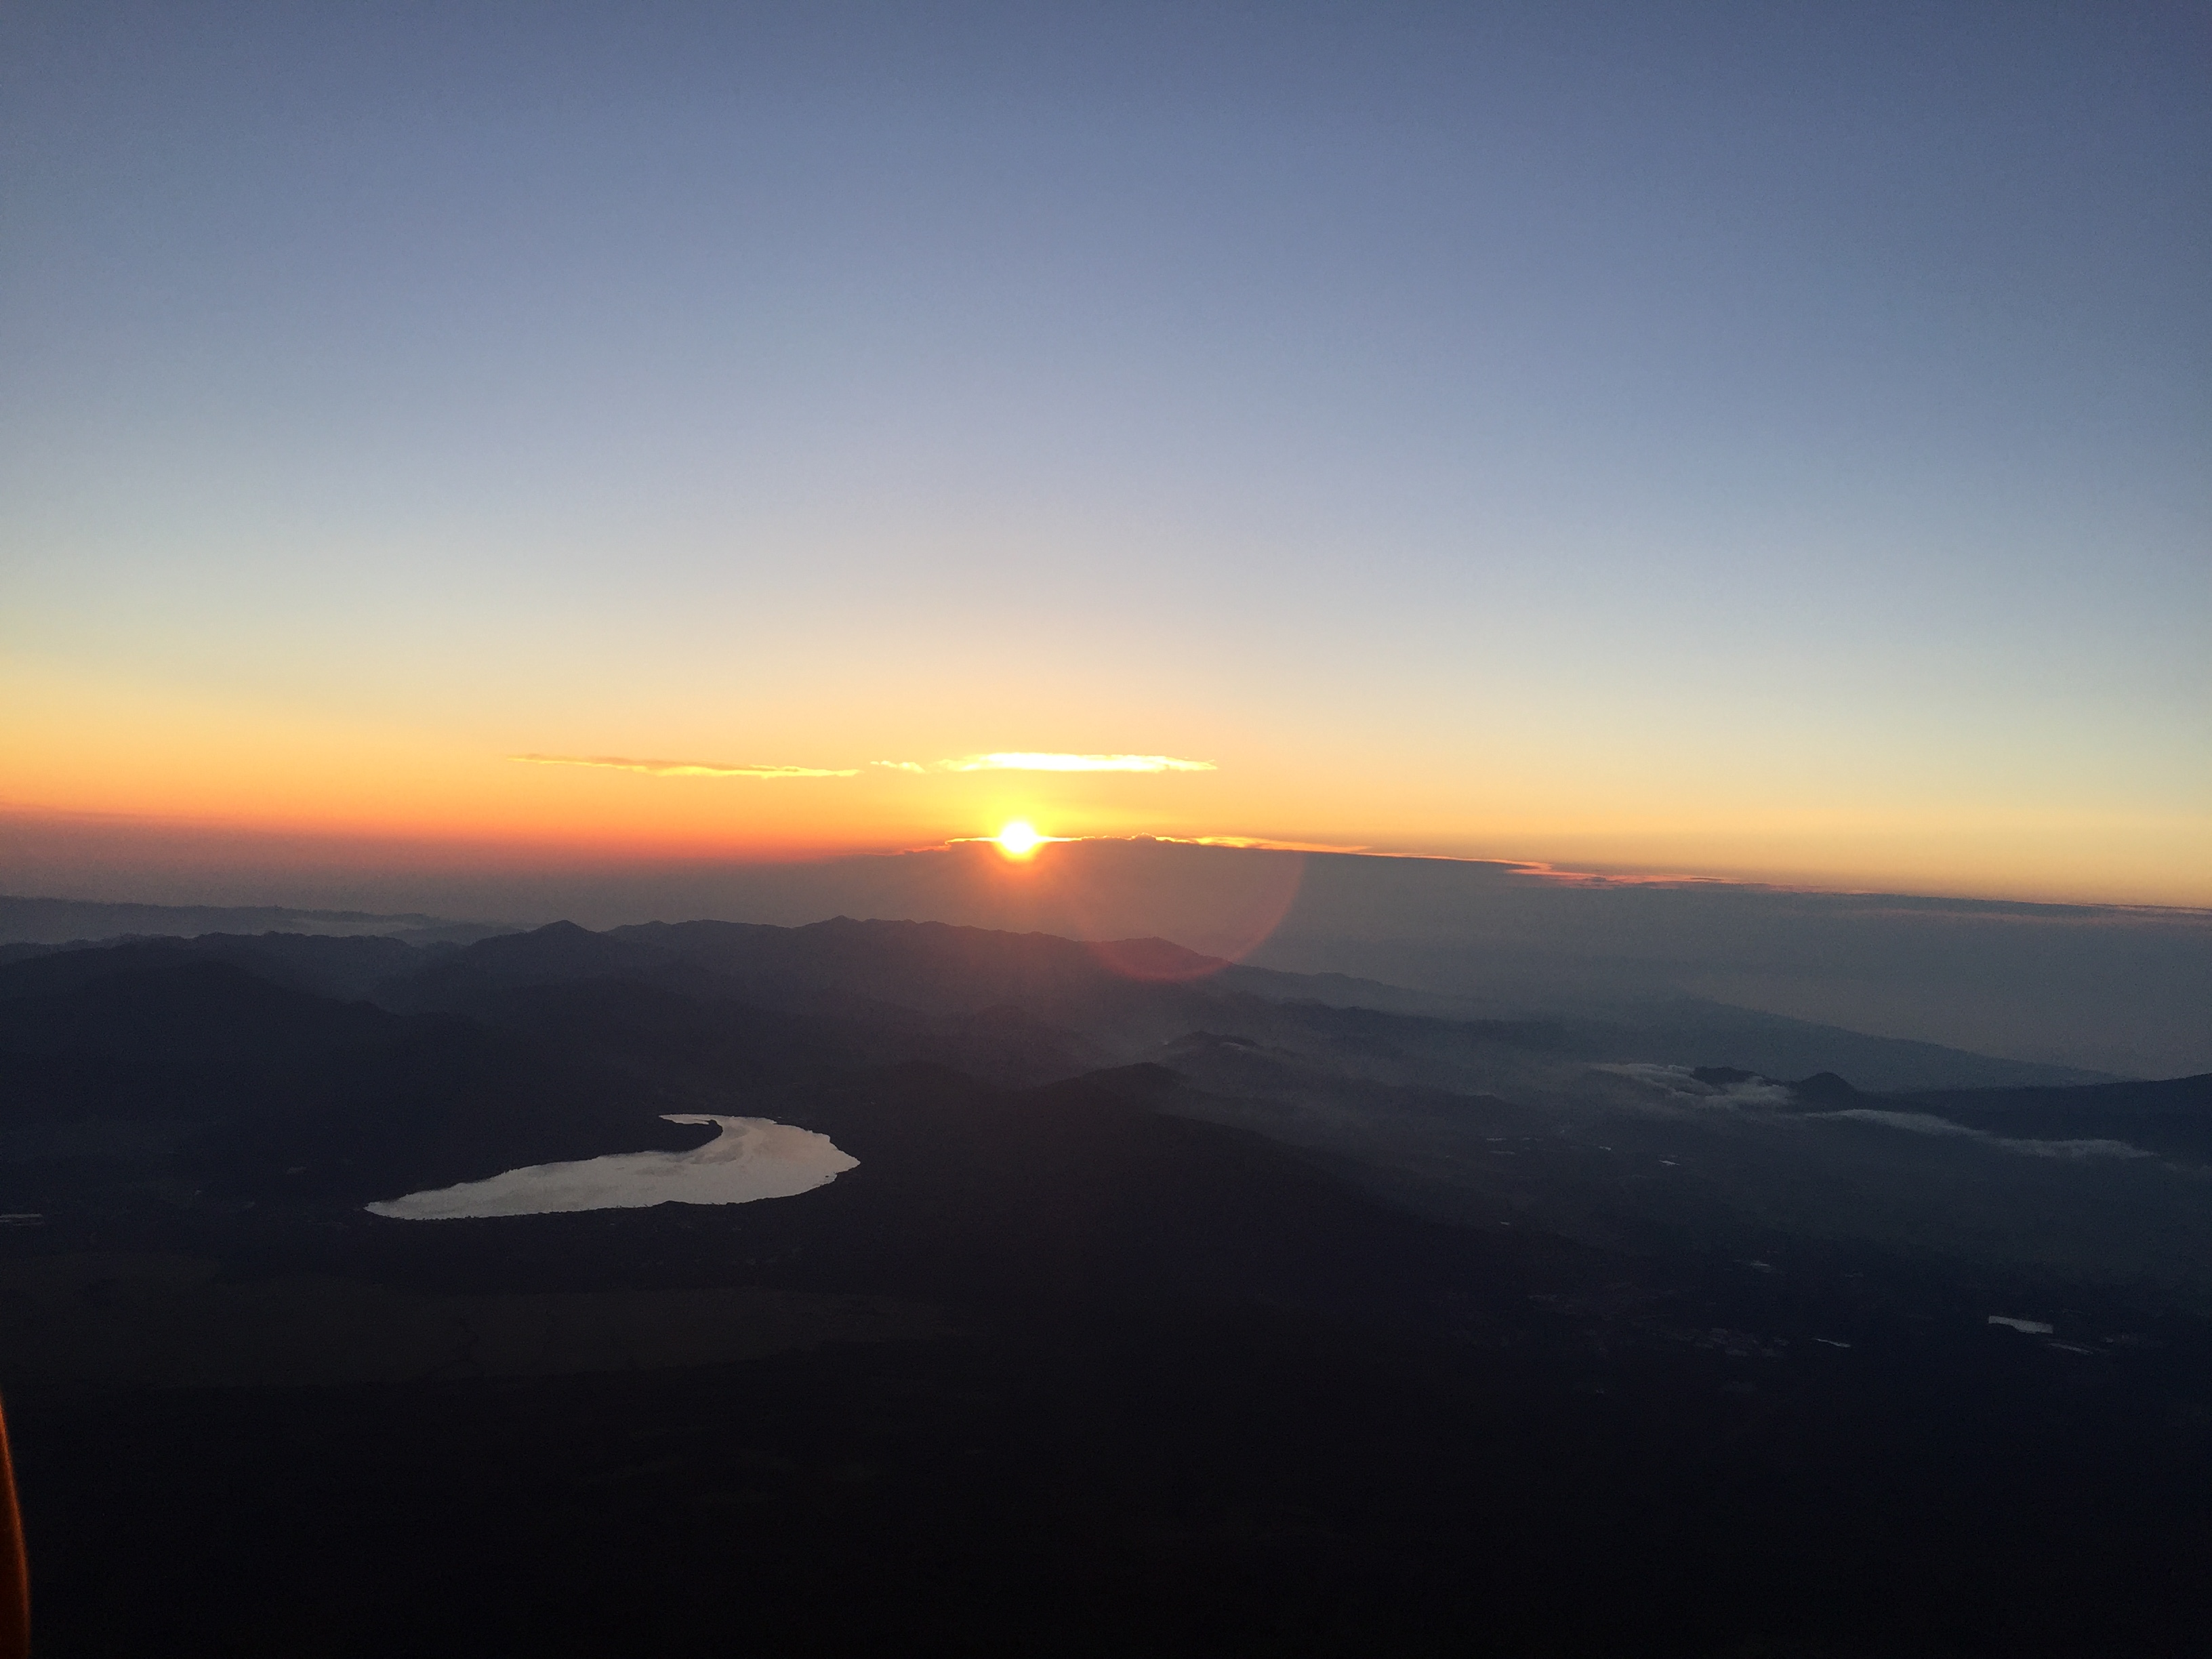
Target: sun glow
{"points": [[1019, 839]]}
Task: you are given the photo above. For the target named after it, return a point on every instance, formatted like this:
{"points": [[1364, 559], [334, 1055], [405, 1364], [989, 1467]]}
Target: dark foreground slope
{"points": [[1051, 1370]]}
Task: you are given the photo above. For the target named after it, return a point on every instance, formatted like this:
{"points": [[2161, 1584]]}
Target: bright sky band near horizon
{"points": [[1744, 441]]}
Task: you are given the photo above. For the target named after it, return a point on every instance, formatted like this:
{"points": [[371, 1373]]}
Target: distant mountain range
{"points": [[1125, 995], [62, 922], [1409, 1086], [355, 1067]]}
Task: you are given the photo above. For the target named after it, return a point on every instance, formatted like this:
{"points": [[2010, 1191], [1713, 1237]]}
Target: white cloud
{"points": [[1256, 843], [677, 769], [1687, 1090], [1678, 1080], [1923, 1123], [1039, 761]]}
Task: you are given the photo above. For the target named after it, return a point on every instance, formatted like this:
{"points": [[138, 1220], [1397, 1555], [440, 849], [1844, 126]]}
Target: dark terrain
{"points": [[1170, 1310]]}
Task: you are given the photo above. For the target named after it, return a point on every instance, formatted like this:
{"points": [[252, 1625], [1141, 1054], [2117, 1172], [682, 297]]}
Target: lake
{"points": [[752, 1158]]}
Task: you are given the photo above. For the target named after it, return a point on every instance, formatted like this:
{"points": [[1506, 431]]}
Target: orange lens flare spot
{"points": [[1018, 840]]}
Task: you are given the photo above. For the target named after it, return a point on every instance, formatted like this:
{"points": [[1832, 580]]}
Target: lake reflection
{"points": [[753, 1157]]}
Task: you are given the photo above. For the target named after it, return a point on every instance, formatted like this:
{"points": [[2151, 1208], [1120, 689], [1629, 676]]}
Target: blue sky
{"points": [[1538, 430]]}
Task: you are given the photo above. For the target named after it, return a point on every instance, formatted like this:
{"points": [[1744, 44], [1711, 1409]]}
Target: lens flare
{"points": [[1018, 840]]}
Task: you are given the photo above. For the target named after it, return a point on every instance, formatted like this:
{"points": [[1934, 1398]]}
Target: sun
{"points": [[1019, 839]]}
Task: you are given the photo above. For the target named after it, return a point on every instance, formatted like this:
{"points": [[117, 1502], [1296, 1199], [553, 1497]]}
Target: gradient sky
{"points": [[1766, 439]]}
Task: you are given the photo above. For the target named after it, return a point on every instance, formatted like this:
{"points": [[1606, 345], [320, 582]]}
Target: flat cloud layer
{"points": [[1002, 761], [1036, 761], [752, 1158], [1686, 1088], [1682, 1081], [678, 768], [1923, 1123]]}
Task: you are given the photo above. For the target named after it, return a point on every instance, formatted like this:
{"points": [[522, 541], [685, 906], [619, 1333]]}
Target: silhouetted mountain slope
{"points": [[929, 966], [275, 1094], [559, 953], [347, 967], [1344, 991]]}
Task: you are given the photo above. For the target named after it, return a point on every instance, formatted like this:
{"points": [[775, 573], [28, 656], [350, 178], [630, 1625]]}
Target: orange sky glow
{"points": [[157, 774]]}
